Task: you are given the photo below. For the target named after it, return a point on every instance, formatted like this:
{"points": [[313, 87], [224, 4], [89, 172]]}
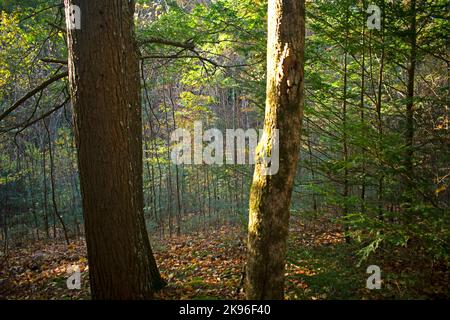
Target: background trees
{"points": [[399, 124], [361, 166]]}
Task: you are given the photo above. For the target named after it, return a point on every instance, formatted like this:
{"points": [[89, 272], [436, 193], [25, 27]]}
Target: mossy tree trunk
{"points": [[271, 194]]}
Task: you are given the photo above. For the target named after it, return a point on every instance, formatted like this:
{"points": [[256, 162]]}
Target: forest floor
{"points": [[209, 265]]}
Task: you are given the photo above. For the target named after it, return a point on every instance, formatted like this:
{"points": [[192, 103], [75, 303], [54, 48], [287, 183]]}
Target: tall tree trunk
{"points": [[53, 185], [345, 142], [5, 210], [45, 204], [270, 195], [105, 91], [313, 174], [177, 173], [410, 103], [31, 178], [169, 171], [345, 152], [363, 75], [379, 117]]}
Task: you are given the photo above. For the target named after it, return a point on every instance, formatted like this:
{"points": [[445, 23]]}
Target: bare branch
{"points": [[189, 45], [45, 115], [31, 93], [52, 60]]}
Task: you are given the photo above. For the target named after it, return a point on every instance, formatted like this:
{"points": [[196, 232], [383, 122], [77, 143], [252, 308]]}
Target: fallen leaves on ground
{"points": [[209, 265], [40, 271], [203, 266]]}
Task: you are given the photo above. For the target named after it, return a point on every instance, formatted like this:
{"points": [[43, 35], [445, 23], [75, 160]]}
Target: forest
{"points": [[224, 149]]}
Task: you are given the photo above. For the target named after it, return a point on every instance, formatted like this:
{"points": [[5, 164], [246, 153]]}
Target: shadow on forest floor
{"points": [[320, 265]]}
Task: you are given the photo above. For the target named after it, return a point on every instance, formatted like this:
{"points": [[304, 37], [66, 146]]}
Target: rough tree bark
{"points": [[271, 194], [105, 92]]}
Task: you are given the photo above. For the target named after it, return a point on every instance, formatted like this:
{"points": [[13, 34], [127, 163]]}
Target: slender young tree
{"points": [[105, 92], [270, 195], [53, 184], [345, 116], [411, 70]]}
